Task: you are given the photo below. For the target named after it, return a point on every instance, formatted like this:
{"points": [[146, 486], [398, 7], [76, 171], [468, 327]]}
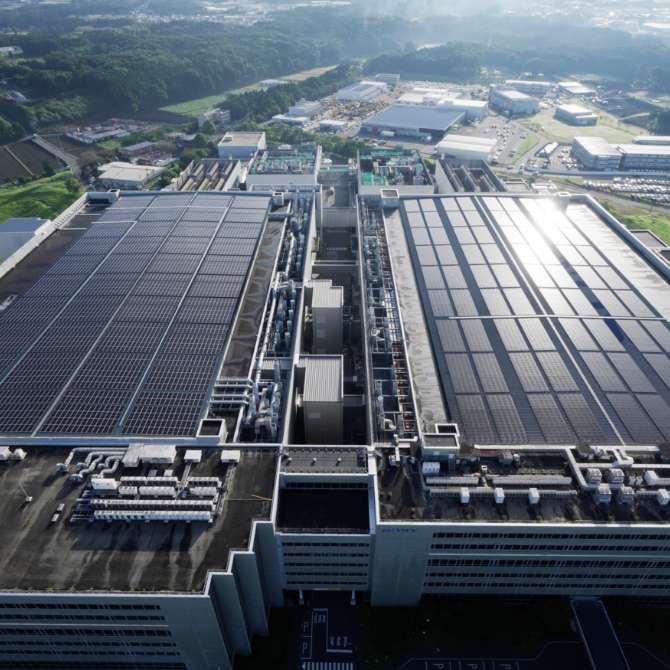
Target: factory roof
{"points": [[241, 139], [285, 159], [644, 149], [128, 172], [416, 117], [125, 331], [512, 94], [75, 554], [546, 324], [597, 146], [652, 139], [575, 110], [465, 141]]}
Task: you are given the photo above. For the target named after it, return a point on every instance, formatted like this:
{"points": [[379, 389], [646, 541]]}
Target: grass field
{"points": [[44, 198], [525, 146], [200, 105], [557, 131]]}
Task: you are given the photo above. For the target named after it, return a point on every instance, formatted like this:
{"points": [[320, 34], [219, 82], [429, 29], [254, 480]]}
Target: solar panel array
{"points": [[125, 332], [538, 335]]}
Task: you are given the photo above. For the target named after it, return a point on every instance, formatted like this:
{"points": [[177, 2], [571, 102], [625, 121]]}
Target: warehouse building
{"points": [[596, 153], [171, 410], [652, 139], [576, 88], [576, 115], [416, 121], [647, 157], [466, 147], [530, 86], [241, 146], [512, 102], [126, 176], [363, 91]]}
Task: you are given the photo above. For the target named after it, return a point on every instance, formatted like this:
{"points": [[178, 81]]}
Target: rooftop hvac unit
{"points": [[230, 456], [17, 455], [204, 491], [615, 476], [127, 490], [4, 453], [192, 456], [651, 478], [603, 494], [594, 476], [465, 495], [102, 484], [499, 495], [430, 468], [626, 495], [505, 458], [663, 497], [159, 491], [533, 496]]}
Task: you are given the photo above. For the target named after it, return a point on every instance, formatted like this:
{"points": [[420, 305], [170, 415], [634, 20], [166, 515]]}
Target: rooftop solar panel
{"points": [[563, 336], [125, 331]]}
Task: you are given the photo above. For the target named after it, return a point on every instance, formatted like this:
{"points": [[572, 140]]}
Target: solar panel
{"points": [[143, 323]]}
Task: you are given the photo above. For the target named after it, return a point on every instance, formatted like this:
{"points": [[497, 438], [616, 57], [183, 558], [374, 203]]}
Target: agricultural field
{"points": [[25, 160], [44, 198], [557, 131]]}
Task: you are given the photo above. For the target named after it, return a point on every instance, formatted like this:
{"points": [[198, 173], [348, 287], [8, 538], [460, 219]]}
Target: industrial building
{"points": [[466, 147], [287, 120], [533, 87], [126, 176], [332, 125], [596, 153], [512, 102], [576, 115], [206, 410], [652, 139], [417, 121], [400, 169], [241, 146], [363, 91], [475, 110], [647, 157], [576, 89], [305, 108], [285, 166]]}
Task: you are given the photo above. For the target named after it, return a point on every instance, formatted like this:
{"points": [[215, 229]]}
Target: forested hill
{"points": [[145, 66]]}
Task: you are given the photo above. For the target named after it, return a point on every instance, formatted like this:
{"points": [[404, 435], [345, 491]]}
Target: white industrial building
{"points": [[512, 102], [576, 89], [466, 147], [645, 157], [127, 176], [652, 139], [596, 153], [530, 86], [474, 110], [241, 146], [363, 91], [289, 120], [576, 115]]}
